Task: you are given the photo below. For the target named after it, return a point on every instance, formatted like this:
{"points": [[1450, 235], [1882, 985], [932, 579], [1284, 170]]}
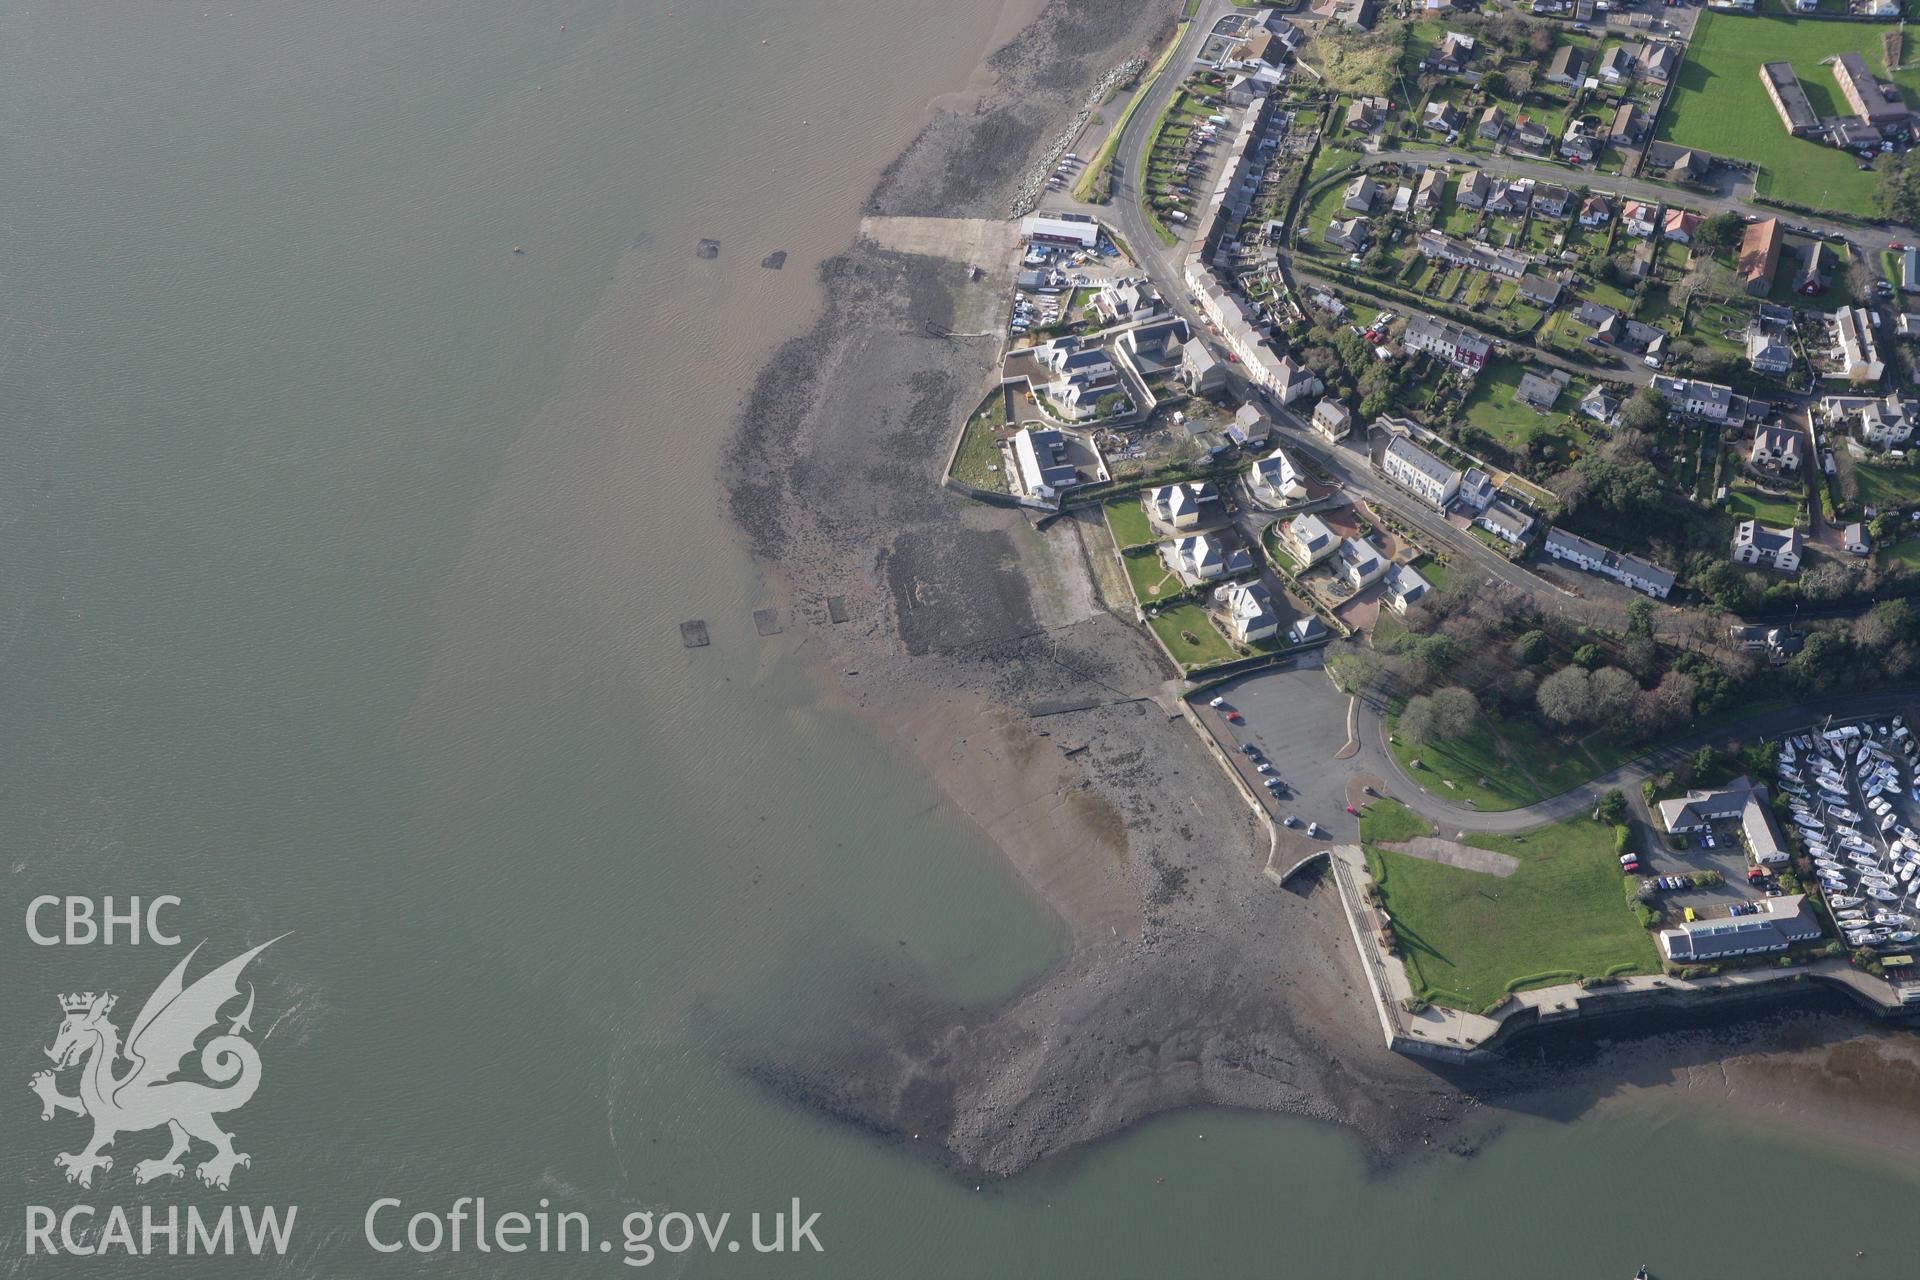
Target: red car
{"points": [[1630, 868], [1355, 812], [1234, 717]]}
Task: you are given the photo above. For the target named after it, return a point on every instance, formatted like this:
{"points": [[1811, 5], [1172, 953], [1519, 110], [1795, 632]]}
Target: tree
{"points": [[1563, 696], [1645, 410], [1417, 720], [1721, 231], [1611, 692], [1589, 656], [1898, 194], [1454, 711], [1884, 626], [1706, 762], [1531, 649], [1640, 617], [1825, 581], [1613, 807], [1518, 81], [1354, 668], [1661, 708], [1540, 40]]}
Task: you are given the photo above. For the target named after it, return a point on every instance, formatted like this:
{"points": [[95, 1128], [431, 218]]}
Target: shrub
{"points": [[1622, 837], [1415, 1005]]}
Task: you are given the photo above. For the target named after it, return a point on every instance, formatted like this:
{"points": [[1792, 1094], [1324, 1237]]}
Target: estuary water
{"points": [[363, 398]]}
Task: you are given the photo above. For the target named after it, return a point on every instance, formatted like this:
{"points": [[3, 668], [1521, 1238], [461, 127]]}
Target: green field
{"points": [[1468, 938], [1719, 104], [977, 462], [1503, 765], [1127, 521], [1905, 552], [1206, 647]]}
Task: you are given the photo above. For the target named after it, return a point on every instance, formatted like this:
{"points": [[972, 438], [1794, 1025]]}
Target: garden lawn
{"points": [[1906, 551], [1884, 487], [1503, 764], [1128, 522], [1750, 504], [1207, 647], [1492, 408], [1152, 581], [977, 462], [1719, 104], [1469, 938]]}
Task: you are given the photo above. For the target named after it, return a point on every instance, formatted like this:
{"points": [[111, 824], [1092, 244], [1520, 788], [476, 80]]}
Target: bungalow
{"points": [[1550, 200], [1690, 167], [1492, 125], [1505, 522], [1595, 211], [1775, 451], [1541, 290], [1531, 135], [1760, 255], [1405, 587], [1307, 540], [1361, 564], [1629, 123], [1638, 218], [1432, 184], [1910, 270], [1360, 194], [1332, 420], [1248, 608], [1756, 543], [1419, 472], [1539, 391], [1568, 67], [1181, 506], [1616, 65], [1350, 234], [1454, 53], [1365, 114], [1600, 404], [1767, 353], [1631, 571], [1660, 61], [1679, 224], [1441, 116], [1854, 538], [1473, 191]]}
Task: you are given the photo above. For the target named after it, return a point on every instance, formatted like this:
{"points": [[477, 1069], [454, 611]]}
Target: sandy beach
{"points": [[1190, 978]]}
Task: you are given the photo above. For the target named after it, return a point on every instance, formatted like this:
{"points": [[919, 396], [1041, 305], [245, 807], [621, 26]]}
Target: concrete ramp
{"points": [[987, 243], [1464, 856]]}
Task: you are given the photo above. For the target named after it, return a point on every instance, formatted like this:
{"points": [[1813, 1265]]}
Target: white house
{"points": [[1631, 571], [1405, 587], [1196, 558], [1332, 420], [1307, 539], [1360, 563], [1458, 346], [1181, 506], [1756, 543], [1248, 610], [1275, 482], [1505, 522], [1419, 472], [1694, 398], [1043, 462]]}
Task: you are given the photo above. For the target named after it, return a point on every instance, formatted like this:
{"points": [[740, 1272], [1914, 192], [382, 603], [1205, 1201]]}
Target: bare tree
{"points": [[1611, 692], [1565, 696], [1454, 711], [1417, 720]]}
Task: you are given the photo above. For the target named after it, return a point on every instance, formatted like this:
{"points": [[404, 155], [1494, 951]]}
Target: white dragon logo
{"points": [[147, 1096]]}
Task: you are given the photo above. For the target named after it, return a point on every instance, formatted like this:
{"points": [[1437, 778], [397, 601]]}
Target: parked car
{"points": [[1290, 821]]}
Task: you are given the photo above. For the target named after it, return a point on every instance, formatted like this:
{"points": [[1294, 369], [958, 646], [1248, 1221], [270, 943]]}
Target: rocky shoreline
{"points": [[1191, 978]]}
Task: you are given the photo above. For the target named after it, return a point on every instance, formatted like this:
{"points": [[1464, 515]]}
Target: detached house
{"points": [[1568, 67], [1332, 420], [1775, 451], [1492, 125], [1181, 506], [1638, 218], [1596, 211], [1755, 543], [1766, 352], [1441, 116], [1360, 194], [1506, 522], [1248, 611], [1405, 587], [1679, 224], [1307, 540], [1360, 563]]}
